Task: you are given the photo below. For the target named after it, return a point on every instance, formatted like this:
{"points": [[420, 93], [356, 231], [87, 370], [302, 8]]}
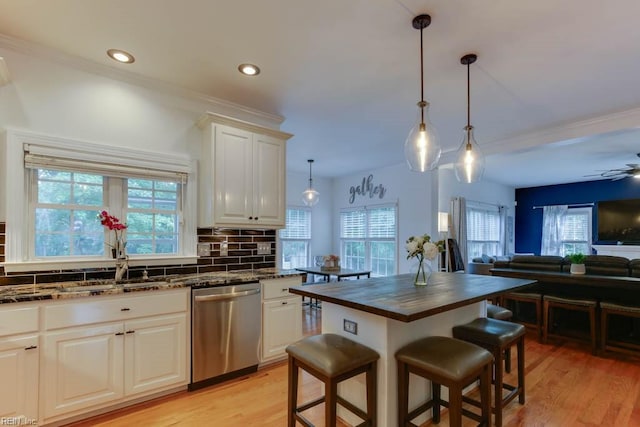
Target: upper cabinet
{"points": [[242, 174]]}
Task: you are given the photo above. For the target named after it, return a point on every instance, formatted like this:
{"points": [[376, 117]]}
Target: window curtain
{"points": [[552, 217], [459, 224], [502, 211]]}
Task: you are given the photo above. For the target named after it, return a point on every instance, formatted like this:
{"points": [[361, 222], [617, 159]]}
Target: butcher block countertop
{"points": [[396, 297]]}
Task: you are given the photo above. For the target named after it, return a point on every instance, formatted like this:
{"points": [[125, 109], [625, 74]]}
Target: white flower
{"points": [[412, 247], [430, 250]]}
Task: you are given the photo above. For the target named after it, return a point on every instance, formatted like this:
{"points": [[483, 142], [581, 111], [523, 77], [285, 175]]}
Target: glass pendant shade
{"points": [[310, 197], [422, 148], [469, 166]]}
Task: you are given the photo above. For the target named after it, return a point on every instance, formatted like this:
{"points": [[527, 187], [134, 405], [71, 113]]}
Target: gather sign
{"points": [[366, 188]]}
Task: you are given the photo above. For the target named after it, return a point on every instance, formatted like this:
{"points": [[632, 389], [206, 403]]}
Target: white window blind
{"points": [[298, 224], [576, 231], [483, 230], [368, 239]]}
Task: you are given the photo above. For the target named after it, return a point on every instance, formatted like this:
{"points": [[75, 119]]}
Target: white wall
{"points": [[483, 191], [321, 220], [415, 194], [48, 97]]}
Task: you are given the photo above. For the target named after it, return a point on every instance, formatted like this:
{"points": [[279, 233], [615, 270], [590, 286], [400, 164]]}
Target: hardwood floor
{"points": [[565, 386]]}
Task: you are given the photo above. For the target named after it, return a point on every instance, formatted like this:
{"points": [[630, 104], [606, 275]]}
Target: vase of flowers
{"points": [[118, 249], [422, 248]]}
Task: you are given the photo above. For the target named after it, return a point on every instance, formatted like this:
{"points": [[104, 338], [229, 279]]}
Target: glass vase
{"points": [[422, 274]]}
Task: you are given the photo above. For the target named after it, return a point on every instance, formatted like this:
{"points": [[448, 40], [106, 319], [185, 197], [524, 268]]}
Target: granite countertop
{"points": [[67, 290]]}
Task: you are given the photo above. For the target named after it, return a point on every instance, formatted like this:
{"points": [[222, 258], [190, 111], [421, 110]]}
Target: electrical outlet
{"points": [[204, 249], [350, 326], [224, 248], [264, 248]]}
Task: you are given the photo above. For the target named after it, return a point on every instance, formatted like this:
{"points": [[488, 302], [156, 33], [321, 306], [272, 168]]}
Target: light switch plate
{"points": [[264, 248], [224, 248], [204, 249]]}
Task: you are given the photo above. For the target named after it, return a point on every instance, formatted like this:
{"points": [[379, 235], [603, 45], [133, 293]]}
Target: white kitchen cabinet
{"points": [[19, 353], [242, 174], [108, 350], [281, 317], [19, 373]]}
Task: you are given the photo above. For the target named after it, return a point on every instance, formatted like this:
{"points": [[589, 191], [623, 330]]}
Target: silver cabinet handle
{"points": [[31, 347], [130, 332], [227, 296], [119, 333], [125, 309]]}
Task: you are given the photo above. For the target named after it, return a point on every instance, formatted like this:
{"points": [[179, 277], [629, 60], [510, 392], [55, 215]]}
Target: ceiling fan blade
{"points": [[619, 177]]}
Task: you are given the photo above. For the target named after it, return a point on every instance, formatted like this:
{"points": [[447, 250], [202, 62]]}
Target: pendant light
{"points": [[422, 149], [469, 165], [310, 197]]}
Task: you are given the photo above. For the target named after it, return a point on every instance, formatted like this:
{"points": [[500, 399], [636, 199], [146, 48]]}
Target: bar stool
{"points": [[497, 336], [331, 358], [445, 362], [528, 298], [586, 305], [501, 313], [607, 309]]}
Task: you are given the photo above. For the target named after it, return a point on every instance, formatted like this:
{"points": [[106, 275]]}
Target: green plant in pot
{"points": [[577, 263]]}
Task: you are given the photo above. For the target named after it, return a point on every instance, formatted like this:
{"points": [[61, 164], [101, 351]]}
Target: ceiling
{"points": [[553, 94]]}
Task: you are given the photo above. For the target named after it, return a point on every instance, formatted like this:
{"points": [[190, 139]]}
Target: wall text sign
{"points": [[366, 188]]}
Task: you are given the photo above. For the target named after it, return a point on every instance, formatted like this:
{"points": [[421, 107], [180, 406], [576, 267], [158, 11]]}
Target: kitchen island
{"points": [[385, 313]]}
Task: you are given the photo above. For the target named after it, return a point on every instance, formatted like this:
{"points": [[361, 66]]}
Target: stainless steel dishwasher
{"points": [[225, 333]]}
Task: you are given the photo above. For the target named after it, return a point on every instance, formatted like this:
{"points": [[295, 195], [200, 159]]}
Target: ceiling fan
{"points": [[632, 169]]}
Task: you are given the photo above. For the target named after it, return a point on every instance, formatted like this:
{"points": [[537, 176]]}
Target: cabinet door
{"points": [[269, 180], [233, 174], [155, 353], [19, 373], [281, 325], [82, 367]]}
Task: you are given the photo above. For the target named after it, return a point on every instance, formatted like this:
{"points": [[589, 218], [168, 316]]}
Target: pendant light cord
{"points": [[421, 77], [310, 180], [468, 97]]}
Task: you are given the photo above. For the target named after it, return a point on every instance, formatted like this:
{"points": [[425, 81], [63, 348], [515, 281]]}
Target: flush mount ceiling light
{"points": [[310, 197], [121, 56], [469, 165], [422, 149], [249, 69]]}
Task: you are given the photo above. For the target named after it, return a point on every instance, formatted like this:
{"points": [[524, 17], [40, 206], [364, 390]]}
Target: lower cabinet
{"points": [[88, 367], [281, 317], [19, 374]]}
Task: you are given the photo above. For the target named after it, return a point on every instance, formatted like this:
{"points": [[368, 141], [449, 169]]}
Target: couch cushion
{"points": [[535, 262], [634, 266], [605, 265]]}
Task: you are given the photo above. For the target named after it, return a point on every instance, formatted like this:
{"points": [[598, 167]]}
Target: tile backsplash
{"points": [[242, 254]]}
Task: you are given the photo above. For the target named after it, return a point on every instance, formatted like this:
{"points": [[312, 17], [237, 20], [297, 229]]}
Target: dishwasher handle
{"points": [[230, 295]]}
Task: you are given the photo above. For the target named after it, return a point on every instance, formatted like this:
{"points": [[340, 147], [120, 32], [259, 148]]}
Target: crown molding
{"points": [[626, 119], [75, 62]]}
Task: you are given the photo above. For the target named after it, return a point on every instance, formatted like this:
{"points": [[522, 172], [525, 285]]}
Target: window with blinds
{"points": [[483, 230], [576, 231], [368, 239], [295, 238]]}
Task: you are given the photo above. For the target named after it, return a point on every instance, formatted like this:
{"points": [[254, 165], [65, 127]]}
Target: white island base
{"points": [[386, 336]]}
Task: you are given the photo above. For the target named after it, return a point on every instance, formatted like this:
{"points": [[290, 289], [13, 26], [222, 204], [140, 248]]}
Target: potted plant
{"points": [[577, 263]]}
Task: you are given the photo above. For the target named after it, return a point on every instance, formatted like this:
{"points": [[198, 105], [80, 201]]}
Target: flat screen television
{"points": [[619, 221]]}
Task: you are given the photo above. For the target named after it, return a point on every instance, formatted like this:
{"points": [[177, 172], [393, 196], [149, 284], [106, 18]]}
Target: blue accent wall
{"points": [[528, 227]]}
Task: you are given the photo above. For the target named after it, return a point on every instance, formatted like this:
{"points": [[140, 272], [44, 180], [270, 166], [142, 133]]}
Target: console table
{"points": [[385, 313]]}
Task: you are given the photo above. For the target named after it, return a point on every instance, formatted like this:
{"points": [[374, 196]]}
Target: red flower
{"points": [[111, 221]]}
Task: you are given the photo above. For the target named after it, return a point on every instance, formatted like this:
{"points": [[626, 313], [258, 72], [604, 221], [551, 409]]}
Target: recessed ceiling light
{"points": [[249, 69], [121, 56]]}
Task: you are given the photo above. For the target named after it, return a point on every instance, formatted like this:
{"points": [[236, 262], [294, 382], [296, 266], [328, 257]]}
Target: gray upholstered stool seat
{"points": [[497, 336], [576, 304], [608, 343], [497, 312], [449, 362], [331, 358]]}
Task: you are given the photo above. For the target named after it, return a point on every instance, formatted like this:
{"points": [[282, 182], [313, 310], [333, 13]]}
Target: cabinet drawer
{"points": [[114, 309], [18, 320], [278, 288]]}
